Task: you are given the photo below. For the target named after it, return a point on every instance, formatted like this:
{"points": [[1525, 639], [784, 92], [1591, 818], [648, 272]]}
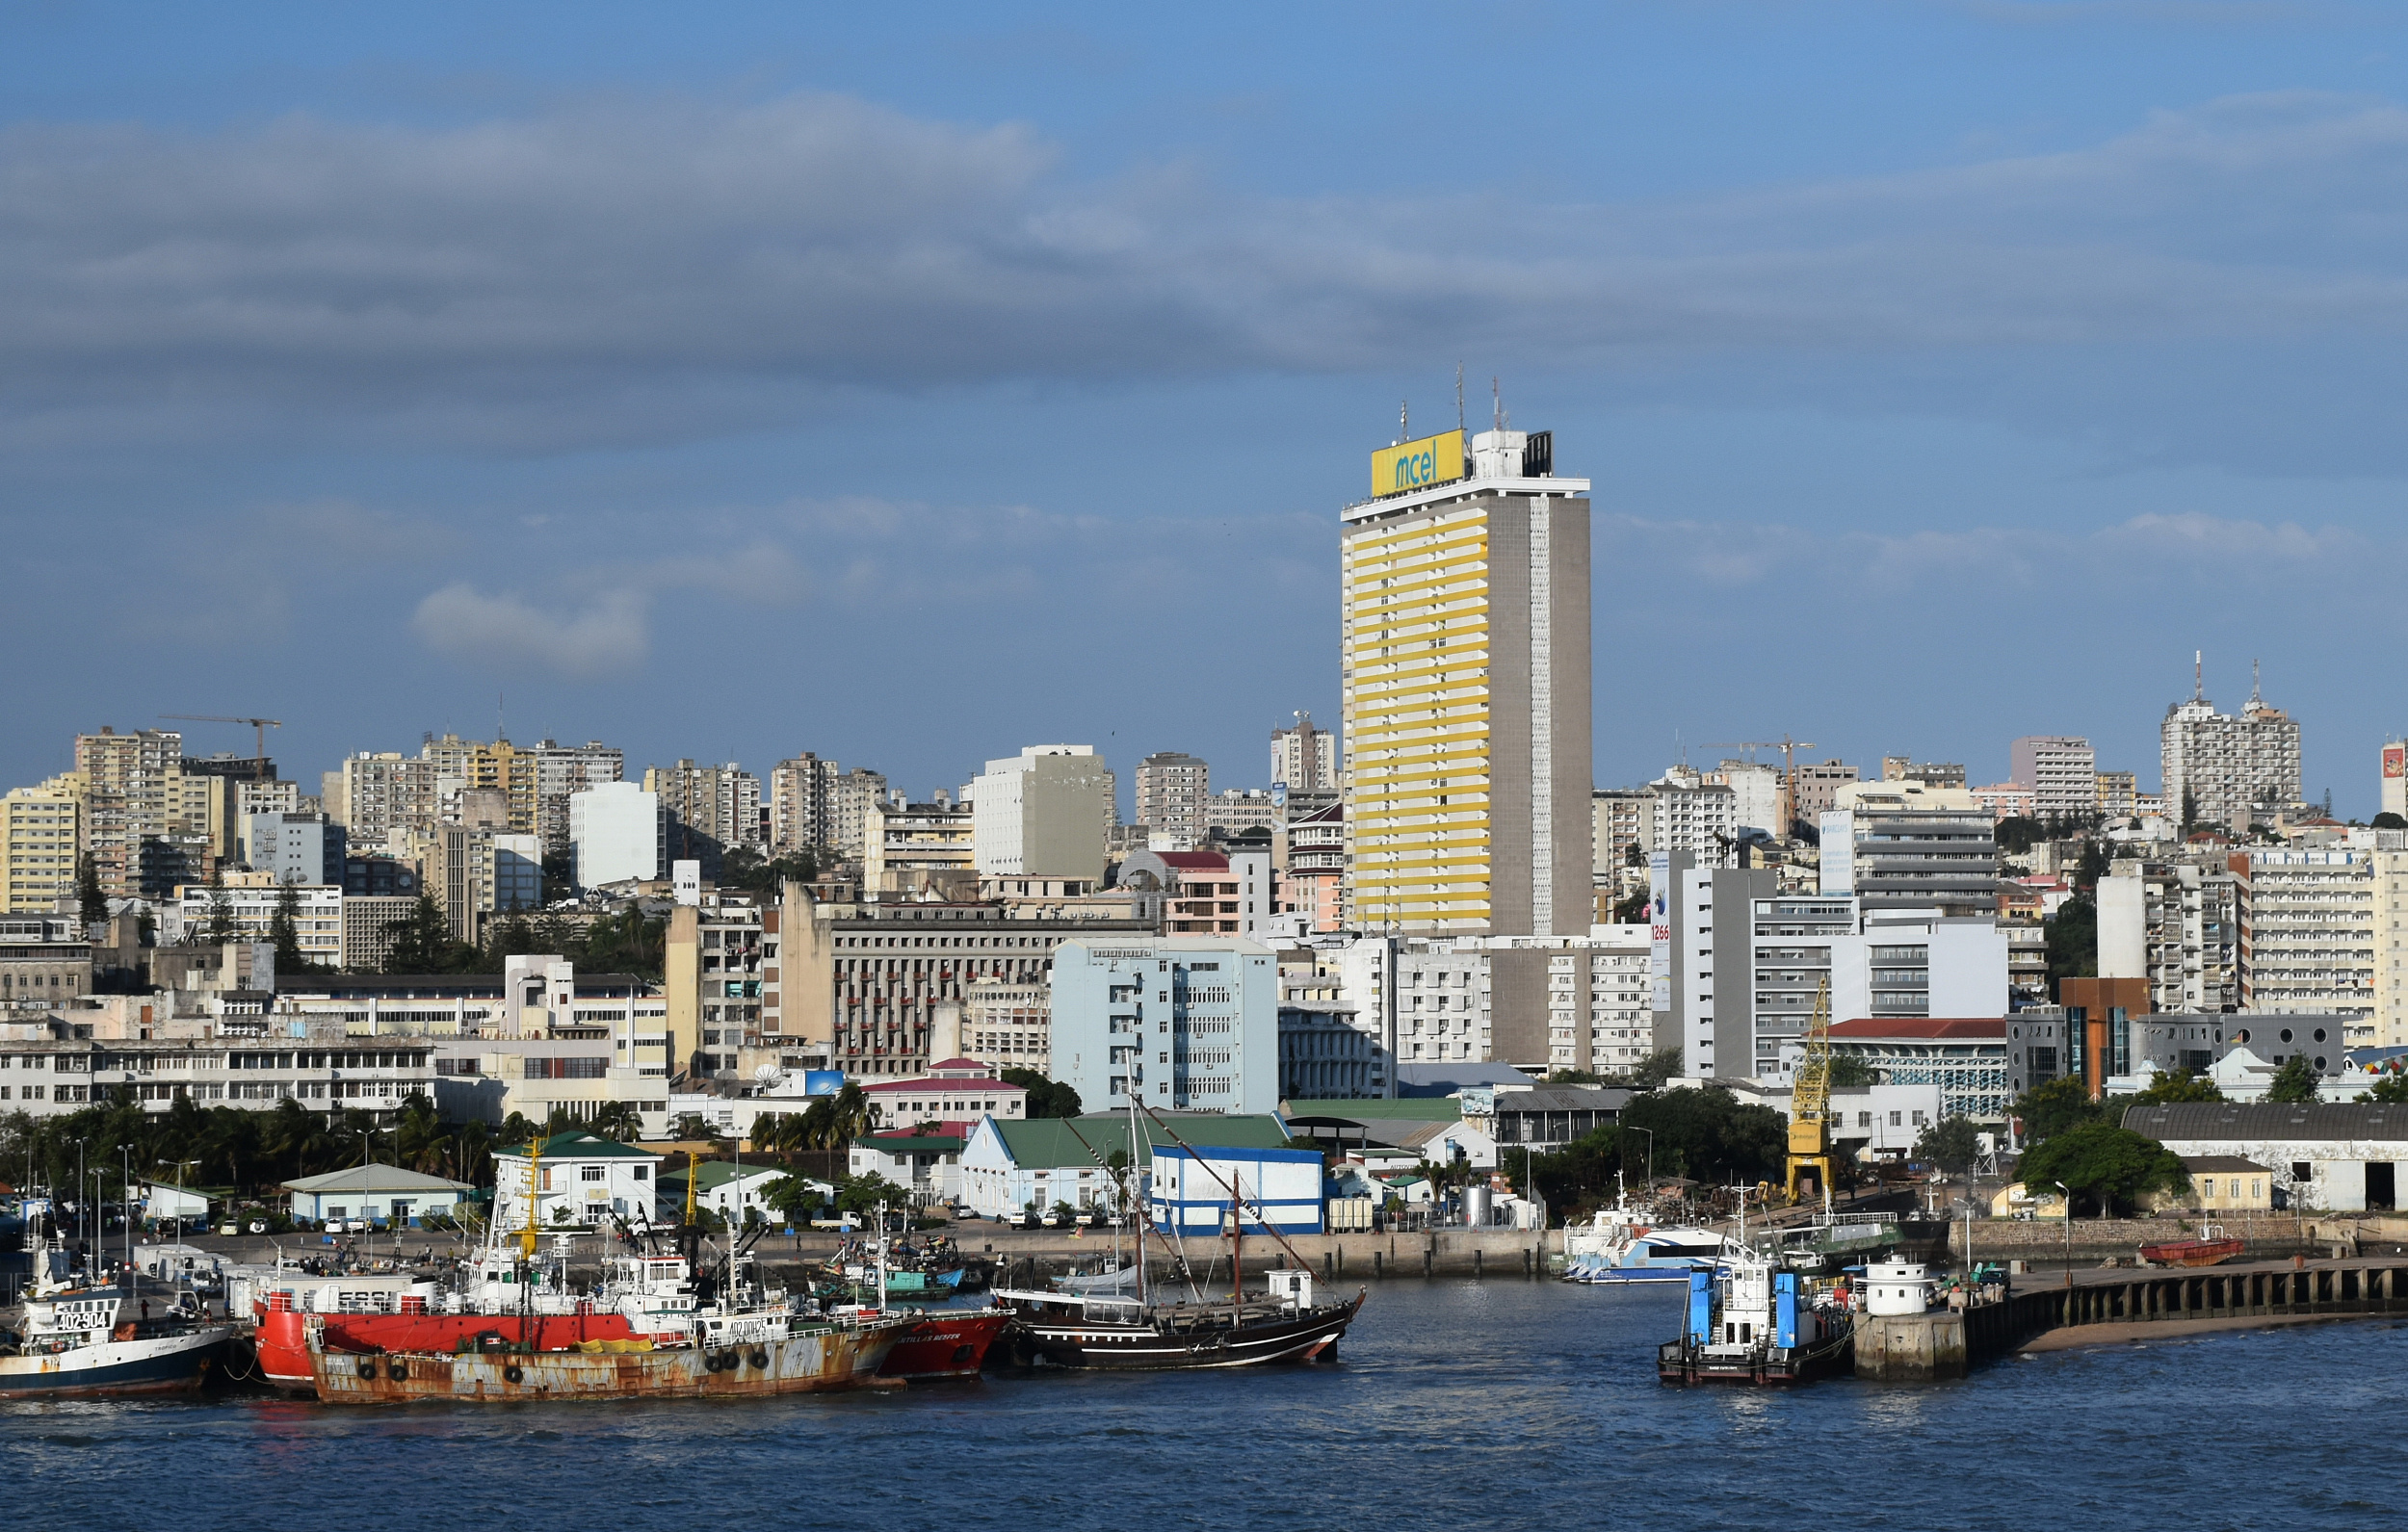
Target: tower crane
{"points": [[1810, 1104], [1789, 749], [261, 725]]}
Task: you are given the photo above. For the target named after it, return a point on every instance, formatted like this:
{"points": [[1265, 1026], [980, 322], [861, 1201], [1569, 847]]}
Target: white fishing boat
{"points": [[1623, 1244], [75, 1342]]}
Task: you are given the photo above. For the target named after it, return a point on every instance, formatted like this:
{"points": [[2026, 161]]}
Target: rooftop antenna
{"points": [[1405, 419], [1496, 404], [1458, 396], [2255, 700], [2198, 676]]}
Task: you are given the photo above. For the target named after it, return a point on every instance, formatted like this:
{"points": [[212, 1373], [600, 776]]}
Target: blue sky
{"points": [[912, 385]]}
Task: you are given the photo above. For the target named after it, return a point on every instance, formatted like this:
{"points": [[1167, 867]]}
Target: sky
{"points": [[915, 384]]}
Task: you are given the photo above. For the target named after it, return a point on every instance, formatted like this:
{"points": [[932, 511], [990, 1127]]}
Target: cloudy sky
{"points": [[911, 385]]}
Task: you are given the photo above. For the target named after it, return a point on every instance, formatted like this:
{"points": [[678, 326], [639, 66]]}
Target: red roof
{"points": [[919, 1083], [1927, 1028], [1196, 860]]}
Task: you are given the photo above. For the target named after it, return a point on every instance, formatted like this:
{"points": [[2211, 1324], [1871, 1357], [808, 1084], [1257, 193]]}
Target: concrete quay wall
{"points": [[1351, 1258]]}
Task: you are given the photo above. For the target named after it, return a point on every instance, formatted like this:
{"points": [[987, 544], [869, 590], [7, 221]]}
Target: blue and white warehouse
{"points": [[1192, 1189]]}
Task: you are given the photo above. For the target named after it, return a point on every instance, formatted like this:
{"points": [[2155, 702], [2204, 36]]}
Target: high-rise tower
{"points": [[1465, 675]]}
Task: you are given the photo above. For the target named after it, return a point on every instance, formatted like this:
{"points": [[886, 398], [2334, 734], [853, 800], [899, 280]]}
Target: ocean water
{"points": [[1496, 1404]]}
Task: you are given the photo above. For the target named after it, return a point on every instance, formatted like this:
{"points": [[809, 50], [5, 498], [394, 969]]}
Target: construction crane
{"points": [[262, 725], [1789, 749], [1810, 1106]]}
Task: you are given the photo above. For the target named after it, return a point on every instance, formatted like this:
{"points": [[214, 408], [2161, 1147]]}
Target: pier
{"points": [[2123, 1304]]}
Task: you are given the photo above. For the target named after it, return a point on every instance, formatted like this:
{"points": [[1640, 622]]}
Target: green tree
{"points": [[284, 930], [2019, 833], [797, 1198], [1660, 1066], [1571, 1077], [2295, 1081], [2112, 1166], [1852, 1072], [1952, 1143], [1706, 1134], [2388, 820], [2073, 940], [2390, 1090], [1046, 1098], [220, 909], [861, 1194], [91, 905], [2052, 1106], [2190, 813], [1633, 910], [743, 867], [2178, 1085], [423, 943]]}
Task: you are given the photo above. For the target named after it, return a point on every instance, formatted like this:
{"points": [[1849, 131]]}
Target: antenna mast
{"points": [[1458, 396], [2198, 675], [1405, 419]]}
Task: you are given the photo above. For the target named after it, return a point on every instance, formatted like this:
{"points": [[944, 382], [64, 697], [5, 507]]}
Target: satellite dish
{"points": [[765, 1073]]}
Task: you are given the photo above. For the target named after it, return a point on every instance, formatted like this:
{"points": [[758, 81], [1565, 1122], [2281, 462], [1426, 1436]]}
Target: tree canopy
{"points": [[2112, 1166], [2053, 1105], [2179, 1085], [2389, 1090], [1047, 1098], [2295, 1081], [2073, 934], [1952, 1143]]}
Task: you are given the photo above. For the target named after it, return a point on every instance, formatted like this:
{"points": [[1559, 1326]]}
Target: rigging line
{"points": [[1236, 1198]]}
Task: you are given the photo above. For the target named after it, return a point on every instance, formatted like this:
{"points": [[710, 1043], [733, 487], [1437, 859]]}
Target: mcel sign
{"points": [[1418, 465]]}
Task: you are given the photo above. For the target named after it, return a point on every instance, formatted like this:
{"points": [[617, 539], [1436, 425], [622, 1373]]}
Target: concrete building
{"points": [[1902, 845], [476, 873], [2062, 770], [130, 788], [1536, 1003], [1010, 1025], [1042, 813], [2221, 769], [618, 833], [2178, 926], [47, 1073], [2322, 1157], [294, 847], [1621, 820], [1878, 964], [1755, 795], [562, 772], [1171, 790], [1313, 884], [44, 960], [2118, 795], [386, 1195], [318, 919], [2007, 800], [1304, 758], [1688, 813], [1965, 1056], [854, 795], [711, 810], [1009, 1168], [1815, 785], [2308, 934], [1194, 1020], [1465, 674], [1930, 773], [954, 1094], [368, 922], [39, 834], [713, 963], [803, 794], [858, 984], [903, 840], [1243, 811], [1322, 1053], [2395, 778]]}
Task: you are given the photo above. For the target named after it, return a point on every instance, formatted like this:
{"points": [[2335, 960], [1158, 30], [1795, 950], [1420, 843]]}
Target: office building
{"points": [[1536, 1003], [249, 910], [1171, 790], [1878, 963], [1815, 785], [1304, 758], [617, 832], [475, 874], [1198, 1016], [1243, 811], [2221, 769], [2062, 771], [1465, 674], [905, 840], [1930, 773], [1041, 814], [1690, 815], [1903, 846], [44, 960]]}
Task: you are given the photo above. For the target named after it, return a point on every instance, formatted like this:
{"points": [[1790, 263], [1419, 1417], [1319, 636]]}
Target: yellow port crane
{"points": [[1810, 1106]]}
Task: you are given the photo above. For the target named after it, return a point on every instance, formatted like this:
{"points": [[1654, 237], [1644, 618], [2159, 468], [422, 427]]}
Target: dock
{"points": [[2117, 1304]]}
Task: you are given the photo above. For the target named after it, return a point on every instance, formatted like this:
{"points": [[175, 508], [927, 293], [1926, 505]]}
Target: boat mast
{"points": [[1139, 1212], [1236, 1244]]}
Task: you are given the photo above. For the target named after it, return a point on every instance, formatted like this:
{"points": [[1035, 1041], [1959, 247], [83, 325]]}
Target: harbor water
{"points": [[1503, 1403]]}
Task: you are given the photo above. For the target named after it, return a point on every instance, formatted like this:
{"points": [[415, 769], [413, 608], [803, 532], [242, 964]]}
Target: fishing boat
{"points": [[2212, 1249], [73, 1342], [1622, 1245], [935, 1343], [1286, 1322], [1749, 1321]]}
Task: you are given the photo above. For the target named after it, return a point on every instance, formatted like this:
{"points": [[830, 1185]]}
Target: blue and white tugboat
{"points": [[71, 1342], [1749, 1321]]}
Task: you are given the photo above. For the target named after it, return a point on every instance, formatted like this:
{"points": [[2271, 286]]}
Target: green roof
{"points": [[1410, 1108], [1059, 1140], [577, 1144]]}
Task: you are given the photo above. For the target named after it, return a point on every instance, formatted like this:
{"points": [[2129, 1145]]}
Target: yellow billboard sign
{"points": [[1418, 465]]}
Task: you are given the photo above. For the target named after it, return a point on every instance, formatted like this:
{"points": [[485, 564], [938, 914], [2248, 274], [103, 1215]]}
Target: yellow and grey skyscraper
{"points": [[1465, 675]]}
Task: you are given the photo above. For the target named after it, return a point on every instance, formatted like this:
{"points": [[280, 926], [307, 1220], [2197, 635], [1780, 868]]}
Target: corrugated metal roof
{"points": [[1051, 1141], [1413, 1108], [1925, 1028], [374, 1178], [2270, 1120], [1564, 1099]]}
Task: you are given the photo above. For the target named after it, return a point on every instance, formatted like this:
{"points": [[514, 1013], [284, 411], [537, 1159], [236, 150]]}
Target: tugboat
{"points": [[74, 1345], [1751, 1322], [1096, 1330]]}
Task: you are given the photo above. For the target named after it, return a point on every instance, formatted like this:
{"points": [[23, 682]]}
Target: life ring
{"points": [[513, 1374], [367, 1366], [397, 1369]]}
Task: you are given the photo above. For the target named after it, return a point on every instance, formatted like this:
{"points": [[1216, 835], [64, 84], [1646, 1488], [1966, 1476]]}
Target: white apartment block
{"points": [[2178, 925], [1041, 814], [2226, 767], [1535, 1002], [803, 804], [1755, 795], [2307, 936], [1304, 758], [316, 921], [616, 832], [2062, 771], [1171, 792], [1688, 813]]}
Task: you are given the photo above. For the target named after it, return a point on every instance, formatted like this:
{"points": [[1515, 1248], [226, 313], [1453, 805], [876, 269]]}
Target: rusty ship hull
{"points": [[813, 1361]]}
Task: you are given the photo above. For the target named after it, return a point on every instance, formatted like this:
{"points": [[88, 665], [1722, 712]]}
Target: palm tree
{"points": [[297, 1136], [851, 1116], [418, 1138], [472, 1152]]}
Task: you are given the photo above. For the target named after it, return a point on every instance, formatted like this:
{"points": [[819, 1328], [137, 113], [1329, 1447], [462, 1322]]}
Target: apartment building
{"points": [[1815, 787], [713, 967], [1930, 773], [2219, 768], [617, 832], [1171, 790], [1904, 845], [476, 873], [1187, 1023], [905, 838], [44, 960], [854, 795], [247, 912], [2308, 934], [1314, 882], [803, 804], [1041, 814], [2061, 769], [711, 810], [379, 791], [40, 833], [1695, 817], [2178, 926], [1304, 758]]}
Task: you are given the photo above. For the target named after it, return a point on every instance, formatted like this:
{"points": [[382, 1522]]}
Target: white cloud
{"points": [[609, 632]]}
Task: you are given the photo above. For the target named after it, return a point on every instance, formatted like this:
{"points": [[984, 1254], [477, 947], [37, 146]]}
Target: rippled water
{"points": [[1457, 1404]]}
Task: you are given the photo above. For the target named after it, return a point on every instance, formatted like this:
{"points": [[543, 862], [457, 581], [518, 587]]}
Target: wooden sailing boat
{"points": [[1139, 1335]]}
